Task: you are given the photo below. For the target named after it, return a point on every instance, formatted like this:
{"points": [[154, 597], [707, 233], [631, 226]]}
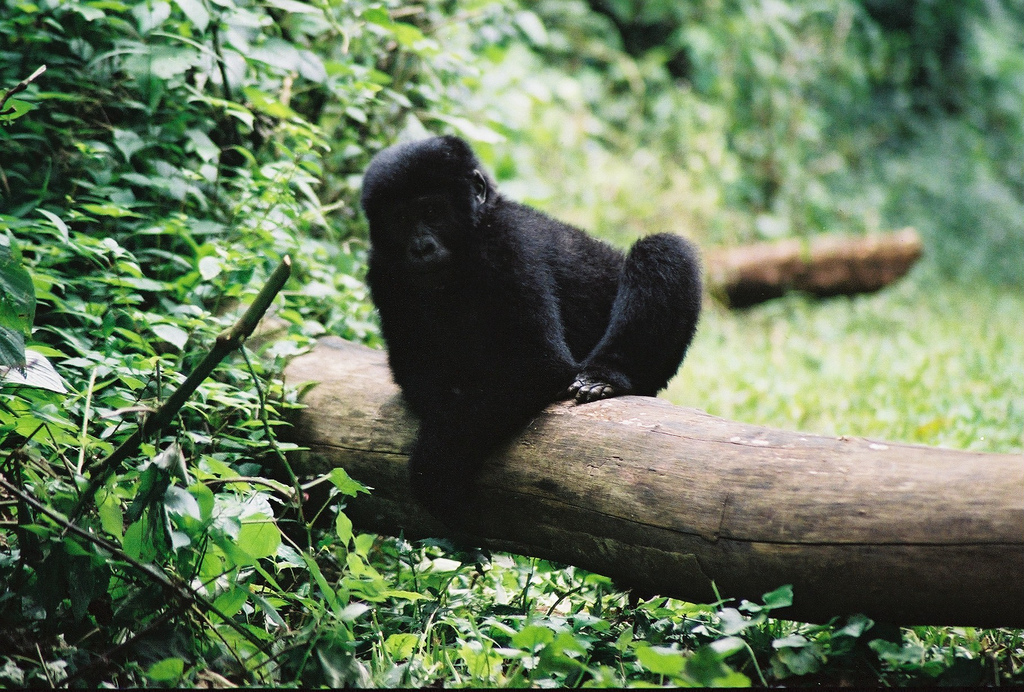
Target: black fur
{"points": [[492, 310]]}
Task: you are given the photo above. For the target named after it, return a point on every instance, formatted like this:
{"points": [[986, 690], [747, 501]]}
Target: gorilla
{"points": [[492, 310]]}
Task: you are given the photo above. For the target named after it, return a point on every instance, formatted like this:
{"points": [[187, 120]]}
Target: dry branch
{"points": [[667, 499], [822, 266]]}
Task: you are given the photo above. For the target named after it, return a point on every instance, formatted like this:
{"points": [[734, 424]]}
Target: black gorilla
{"points": [[492, 310]]}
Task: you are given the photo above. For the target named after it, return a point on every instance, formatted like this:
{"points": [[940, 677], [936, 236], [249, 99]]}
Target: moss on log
{"points": [[667, 500]]}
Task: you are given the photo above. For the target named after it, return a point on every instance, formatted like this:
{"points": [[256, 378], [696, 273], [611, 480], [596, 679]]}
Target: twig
{"points": [[20, 86], [227, 341]]}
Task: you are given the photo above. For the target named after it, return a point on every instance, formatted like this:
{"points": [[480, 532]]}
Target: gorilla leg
{"points": [[653, 320]]}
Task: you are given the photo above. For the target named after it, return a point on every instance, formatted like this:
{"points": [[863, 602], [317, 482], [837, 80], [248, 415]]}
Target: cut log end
{"points": [[668, 500]]}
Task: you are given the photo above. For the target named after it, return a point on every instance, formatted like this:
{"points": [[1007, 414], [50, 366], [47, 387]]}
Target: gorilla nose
{"points": [[424, 248]]}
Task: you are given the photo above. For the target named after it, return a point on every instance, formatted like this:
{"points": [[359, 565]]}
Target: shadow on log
{"points": [[667, 499], [825, 265]]}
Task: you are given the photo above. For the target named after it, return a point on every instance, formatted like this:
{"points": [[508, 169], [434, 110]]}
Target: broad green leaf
{"points": [[168, 670], [232, 600], [111, 516], [209, 267], [532, 637], [196, 13], [181, 502], [781, 597], [173, 335], [401, 646], [259, 536], [38, 373], [706, 668], [17, 294], [204, 498], [150, 15], [127, 142], [661, 660]]}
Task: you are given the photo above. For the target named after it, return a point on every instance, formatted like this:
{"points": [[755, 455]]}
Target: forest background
{"points": [[173, 152]]}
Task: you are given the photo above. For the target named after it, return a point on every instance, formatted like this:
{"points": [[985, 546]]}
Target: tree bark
{"points": [[822, 266], [667, 500]]}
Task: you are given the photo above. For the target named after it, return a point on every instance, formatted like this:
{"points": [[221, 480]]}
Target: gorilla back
{"points": [[492, 310]]}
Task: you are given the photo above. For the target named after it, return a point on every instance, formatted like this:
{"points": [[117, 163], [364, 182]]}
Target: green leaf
{"points": [[15, 108], [111, 516], [401, 646], [168, 670], [58, 223], [127, 142], [781, 597], [205, 499], [173, 335], [37, 373], [532, 637], [661, 660], [181, 502], [150, 15], [343, 527], [259, 536], [111, 210], [345, 484], [17, 304], [232, 600], [802, 660], [705, 668], [196, 13]]}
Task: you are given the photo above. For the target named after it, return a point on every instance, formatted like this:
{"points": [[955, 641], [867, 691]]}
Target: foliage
{"points": [[740, 121], [173, 152], [165, 162]]}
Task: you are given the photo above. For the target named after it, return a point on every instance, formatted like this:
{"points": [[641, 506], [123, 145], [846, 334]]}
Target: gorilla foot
{"points": [[585, 390]]}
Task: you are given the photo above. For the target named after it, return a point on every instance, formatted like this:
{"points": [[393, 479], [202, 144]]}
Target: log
{"points": [[667, 500], [823, 266]]}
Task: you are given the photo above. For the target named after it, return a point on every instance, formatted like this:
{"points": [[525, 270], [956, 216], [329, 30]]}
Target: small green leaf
{"points": [[345, 484], [343, 526], [15, 108], [781, 597]]}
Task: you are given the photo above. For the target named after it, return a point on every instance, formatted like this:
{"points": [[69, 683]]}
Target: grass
{"points": [[923, 361]]}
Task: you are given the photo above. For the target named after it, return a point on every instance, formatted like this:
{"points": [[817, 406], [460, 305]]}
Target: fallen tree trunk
{"points": [[667, 499], [823, 266]]}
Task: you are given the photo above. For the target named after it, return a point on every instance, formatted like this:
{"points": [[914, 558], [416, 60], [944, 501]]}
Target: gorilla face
{"points": [[423, 204]]}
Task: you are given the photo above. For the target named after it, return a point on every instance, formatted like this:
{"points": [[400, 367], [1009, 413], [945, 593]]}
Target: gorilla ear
{"points": [[479, 186]]}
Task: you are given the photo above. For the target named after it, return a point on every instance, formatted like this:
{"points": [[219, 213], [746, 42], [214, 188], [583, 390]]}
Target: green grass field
{"points": [[922, 361]]}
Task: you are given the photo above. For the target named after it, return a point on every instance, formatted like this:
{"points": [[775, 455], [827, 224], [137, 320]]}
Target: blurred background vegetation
{"points": [[173, 152]]}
